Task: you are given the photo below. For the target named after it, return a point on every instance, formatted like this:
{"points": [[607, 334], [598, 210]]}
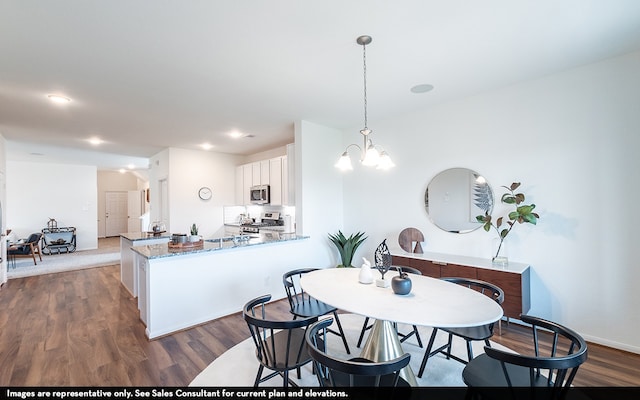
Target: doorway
{"points": [[116, 213]]}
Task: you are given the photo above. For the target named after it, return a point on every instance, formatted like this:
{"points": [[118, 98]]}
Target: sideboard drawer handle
{"points": [[439, 262]]}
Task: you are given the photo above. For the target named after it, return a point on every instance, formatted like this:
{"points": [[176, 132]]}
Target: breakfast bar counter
{"points": [[182, 288], [128, 272]]}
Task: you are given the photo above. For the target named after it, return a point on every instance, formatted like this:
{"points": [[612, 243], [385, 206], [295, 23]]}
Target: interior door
{"points": [[134, 211], [116, 213]]}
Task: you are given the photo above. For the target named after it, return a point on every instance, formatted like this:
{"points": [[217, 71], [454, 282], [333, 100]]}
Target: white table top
{"points": [[432, 302]]}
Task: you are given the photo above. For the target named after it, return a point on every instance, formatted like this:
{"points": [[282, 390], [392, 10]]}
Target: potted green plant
{"points": [[347, 246], [194, 234], [523, 213]]}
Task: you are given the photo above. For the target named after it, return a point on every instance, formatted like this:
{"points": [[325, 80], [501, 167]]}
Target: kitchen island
{"points": [[128, 271], [182, 288]]}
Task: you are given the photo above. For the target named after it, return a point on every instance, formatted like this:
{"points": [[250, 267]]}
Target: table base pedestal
{"points": [[383, 344]]}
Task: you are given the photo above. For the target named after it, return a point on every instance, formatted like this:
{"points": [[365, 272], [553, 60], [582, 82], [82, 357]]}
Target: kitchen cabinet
{"points": [[513, 279], [244, 181], [274, 172]]}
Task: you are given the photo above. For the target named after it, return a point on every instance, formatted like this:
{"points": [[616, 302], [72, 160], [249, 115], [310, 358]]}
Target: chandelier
{"points": [[370, 155]]}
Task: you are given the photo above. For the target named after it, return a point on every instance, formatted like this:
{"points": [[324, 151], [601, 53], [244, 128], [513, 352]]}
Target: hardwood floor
{"points": [[81, 328]]}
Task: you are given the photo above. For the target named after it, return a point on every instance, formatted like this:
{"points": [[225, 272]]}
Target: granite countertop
{"points": [[135, 236], [216, 244]]}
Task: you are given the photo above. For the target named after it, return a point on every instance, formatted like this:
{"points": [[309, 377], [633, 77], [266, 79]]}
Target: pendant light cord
{"points": [[364, 68]]}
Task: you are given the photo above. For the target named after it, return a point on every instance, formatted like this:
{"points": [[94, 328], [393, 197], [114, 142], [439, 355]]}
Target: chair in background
{"points": [[280, 344], [333, 371], [403, 336], [29, 248], [469, 334], [305, 306], [555, 369]]}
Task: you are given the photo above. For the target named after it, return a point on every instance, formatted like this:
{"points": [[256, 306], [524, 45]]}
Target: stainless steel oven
{"points": [[260, 194]]}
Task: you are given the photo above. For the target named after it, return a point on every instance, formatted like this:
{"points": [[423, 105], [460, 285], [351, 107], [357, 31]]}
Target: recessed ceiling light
{"points": [[206, 146], [236, 134], [122, 170], [56, 98], [423, 88], [96, 141], [131, 166]]}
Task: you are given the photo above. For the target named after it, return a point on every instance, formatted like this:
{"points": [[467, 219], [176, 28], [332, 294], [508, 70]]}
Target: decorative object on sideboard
{"points": [[401, 283], [369, 154], [52, 223], [455, 196], [383, 262], [523, 213], [410, 240], [347, 246], [366, 275]]}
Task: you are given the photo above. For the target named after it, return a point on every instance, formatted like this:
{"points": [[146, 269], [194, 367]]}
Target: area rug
{"points": [[62, 262], [238, 366]]}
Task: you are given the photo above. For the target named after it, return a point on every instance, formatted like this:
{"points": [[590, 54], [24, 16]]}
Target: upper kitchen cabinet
{"points": [[276, 172], [276, 178]]}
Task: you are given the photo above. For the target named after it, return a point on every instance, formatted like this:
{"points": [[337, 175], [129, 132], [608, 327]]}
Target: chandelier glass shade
{"points": [[370, 155]]}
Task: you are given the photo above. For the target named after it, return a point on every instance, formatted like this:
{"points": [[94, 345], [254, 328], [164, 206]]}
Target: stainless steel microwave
{"points": [[260, 194]]}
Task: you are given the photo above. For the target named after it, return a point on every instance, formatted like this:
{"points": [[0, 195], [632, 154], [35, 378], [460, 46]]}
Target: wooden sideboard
{"points": [[513, 279]]}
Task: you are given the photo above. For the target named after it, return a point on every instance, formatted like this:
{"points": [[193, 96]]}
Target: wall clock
{"points": [[205, 193]]}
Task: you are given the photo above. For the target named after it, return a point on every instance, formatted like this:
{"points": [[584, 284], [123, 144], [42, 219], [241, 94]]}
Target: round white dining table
{"points": [[431, 302]]}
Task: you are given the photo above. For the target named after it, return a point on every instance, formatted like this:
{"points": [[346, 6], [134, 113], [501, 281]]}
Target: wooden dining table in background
{"points": [[431, 302]]}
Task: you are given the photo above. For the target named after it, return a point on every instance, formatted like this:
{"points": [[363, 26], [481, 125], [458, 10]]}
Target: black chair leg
{"points": [[364, 328], [258, 376], [449, 346], [427, 353], [415, 330], [469, 350], [344, 338]]}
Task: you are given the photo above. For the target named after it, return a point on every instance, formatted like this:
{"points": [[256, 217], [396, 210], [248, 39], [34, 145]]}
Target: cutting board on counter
{"points": [[407, 237]]}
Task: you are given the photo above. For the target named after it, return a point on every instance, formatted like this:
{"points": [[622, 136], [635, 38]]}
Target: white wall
{"points": [[39, 191], [318, 190], [3, 213], [572, 140], [188, 171]]}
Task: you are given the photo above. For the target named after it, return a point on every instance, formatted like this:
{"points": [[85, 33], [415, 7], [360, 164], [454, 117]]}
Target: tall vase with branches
{"points": [[523, 213], [347, 246]]}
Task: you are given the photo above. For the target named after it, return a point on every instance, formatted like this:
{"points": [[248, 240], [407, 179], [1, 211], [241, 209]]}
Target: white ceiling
{"points": [[147, 75]]}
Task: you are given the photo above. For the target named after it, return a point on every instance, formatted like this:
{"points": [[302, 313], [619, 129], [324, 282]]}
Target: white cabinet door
{"points": [[255, 167], [285, 181], [265, 173], [275, 172]]}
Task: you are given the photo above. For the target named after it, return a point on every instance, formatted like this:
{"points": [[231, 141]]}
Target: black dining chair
{"points": [[552, 366], [469, 334], [403, 336], [337, 372], [305, 306], [280, 344]]}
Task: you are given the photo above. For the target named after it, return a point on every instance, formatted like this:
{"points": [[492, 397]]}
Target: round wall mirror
{"points": [[455, 197]]}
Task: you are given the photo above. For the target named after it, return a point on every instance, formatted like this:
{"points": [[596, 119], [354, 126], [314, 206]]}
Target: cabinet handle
{"points": [[439, 262]]}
